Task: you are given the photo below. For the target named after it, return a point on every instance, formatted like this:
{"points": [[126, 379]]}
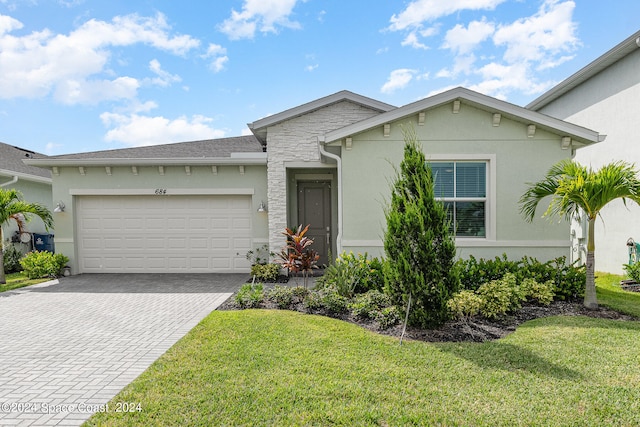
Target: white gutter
{"points": [[338, 160], [13, 181], [258, 159]]}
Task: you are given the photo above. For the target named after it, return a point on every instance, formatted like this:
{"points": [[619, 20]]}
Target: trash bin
{"points": [[43, 242]]}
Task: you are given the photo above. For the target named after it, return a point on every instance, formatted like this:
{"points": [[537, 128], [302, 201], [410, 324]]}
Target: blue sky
{"points": [[85, 75]]}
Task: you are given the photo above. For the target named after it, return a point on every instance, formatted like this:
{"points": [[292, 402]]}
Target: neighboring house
{"points": [[33, 182], [604, 95], [200, 206]]}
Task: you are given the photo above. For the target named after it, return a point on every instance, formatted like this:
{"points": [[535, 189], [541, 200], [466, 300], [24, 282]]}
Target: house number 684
{"points": [[161, 191]]}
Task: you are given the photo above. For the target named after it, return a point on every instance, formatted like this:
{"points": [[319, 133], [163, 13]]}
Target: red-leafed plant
{"points": [[297, 256]]}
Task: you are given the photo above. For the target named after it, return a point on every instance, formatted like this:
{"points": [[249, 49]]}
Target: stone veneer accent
{"points": [[296, 140]]}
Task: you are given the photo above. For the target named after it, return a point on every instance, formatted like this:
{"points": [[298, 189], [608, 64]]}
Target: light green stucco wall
{"points": [[175, 180], [368, 170]]}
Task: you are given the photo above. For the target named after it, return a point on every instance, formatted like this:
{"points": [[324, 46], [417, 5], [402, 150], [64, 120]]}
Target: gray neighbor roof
{"points": [[187, 152], [11, 162]]}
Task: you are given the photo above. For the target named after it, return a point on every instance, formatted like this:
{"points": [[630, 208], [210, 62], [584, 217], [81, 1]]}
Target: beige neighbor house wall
{"points": [[513, 160], [608, 101], [73, 182]]}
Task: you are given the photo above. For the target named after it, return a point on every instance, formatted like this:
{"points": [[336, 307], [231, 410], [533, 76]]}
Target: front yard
{"points": [[263, 367], [19, 280]]}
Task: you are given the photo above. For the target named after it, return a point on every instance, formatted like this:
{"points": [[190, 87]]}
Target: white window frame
{"points": [[490, 199]]}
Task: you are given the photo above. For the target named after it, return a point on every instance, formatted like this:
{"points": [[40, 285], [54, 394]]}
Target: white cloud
{"points": [[136, 130], [420, 11], [540, 37], [262, 15], [464, 40], [462, 64], [40, 63], [398, 79], [412, 41], [162, 78], [219, 55]]}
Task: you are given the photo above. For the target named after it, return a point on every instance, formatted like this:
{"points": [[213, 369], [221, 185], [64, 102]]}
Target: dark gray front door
{"points": [[314, 209]]}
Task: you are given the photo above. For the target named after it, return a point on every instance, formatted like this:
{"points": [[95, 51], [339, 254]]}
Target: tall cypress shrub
{"points": [[418, 244]]}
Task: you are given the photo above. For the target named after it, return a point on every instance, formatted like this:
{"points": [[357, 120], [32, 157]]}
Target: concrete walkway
{"points": [[67, 347]]}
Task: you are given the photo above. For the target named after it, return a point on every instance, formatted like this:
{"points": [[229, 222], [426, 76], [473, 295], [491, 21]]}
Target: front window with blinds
{"points": [[462, 186]]}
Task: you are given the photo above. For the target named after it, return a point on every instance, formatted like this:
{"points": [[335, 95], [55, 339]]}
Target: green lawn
{"points": [[19, 280], [283, 368]]}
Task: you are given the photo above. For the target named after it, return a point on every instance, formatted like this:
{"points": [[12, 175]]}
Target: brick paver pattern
{"points": [[70, 346]]}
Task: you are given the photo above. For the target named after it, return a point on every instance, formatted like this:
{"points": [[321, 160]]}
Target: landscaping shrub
{"points": [[250, 295], [500, 297], [541, 293], [351, 274], [43, 264], [281, 296], [465, 304], [265, 272], [11, 259], [369, 304], [569, 281], [418, 242], [632, 270], [388, 317]]}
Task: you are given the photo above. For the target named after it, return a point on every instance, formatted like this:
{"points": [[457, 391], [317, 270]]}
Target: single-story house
{"points": [[35, 185], [200, 206], [604, 95]]}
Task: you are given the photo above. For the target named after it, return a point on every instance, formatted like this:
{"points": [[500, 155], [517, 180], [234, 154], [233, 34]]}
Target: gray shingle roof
{"points": [[214, 148], [11, 161]]}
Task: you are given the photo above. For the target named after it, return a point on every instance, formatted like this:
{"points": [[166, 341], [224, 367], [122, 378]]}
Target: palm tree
{"points": [[12, 207], [573, 189]]}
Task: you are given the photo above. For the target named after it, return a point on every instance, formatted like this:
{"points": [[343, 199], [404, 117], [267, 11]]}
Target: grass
{"points": [[611, 295], [257, 367], [19, 280]]}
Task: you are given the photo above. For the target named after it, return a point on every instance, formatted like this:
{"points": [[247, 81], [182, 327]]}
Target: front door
{"points": [[314, 209]]}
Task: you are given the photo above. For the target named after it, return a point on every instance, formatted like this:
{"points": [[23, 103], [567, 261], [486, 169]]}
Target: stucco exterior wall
{"points": [[609, 102], [174, 179], [514, 159], [293, 145]]}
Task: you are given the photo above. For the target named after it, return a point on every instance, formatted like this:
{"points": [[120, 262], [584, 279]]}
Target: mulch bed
{"points": [[475, 330]]}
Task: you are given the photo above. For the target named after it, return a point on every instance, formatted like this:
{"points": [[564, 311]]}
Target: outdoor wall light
{"points": [[262, 207], [59, 207]]}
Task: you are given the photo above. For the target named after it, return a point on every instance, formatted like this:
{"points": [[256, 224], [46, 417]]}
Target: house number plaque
{"points": [[161, 191]]}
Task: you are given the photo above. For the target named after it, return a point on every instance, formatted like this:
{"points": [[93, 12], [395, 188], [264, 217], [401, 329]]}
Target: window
{"points": [[462, 186]]}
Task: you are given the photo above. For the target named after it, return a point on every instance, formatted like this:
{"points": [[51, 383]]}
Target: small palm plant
{"points": [[297, 256], [12, 207]]}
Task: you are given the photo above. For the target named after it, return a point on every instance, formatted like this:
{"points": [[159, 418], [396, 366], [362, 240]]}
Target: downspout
{"points": [[13, 181], [338, 159]]}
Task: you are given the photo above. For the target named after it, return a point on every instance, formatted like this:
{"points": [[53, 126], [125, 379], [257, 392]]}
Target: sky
{"points": [[87, 75]]}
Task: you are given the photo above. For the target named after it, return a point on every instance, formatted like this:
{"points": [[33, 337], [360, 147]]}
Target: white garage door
{"points": [[163, 234]]}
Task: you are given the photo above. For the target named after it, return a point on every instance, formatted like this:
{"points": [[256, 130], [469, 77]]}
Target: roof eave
{"points": [[26, 176], [234, 160], [585, 135], [612, 56]]}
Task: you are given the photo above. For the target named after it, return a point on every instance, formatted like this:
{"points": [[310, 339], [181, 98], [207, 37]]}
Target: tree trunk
{"points": [[590, 298]]}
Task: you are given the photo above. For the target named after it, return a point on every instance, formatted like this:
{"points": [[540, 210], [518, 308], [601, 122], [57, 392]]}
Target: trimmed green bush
{"points": [[633, 271], [369, 304], [43, 264], [569, 281], [500, 297], [265, 272], [542, 293], [388, 317], [465, 304], [281, 296], [250, 296], [11, 259]]}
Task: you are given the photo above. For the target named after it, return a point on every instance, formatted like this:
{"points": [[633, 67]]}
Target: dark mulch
{"points": [[475, 330]]}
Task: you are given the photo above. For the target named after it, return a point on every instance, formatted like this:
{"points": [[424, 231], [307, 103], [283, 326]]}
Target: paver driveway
{"points": [[67, 347]]}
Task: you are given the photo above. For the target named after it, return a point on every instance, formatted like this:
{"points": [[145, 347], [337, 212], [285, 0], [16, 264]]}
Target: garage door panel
{"points": [[164, 234]]}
